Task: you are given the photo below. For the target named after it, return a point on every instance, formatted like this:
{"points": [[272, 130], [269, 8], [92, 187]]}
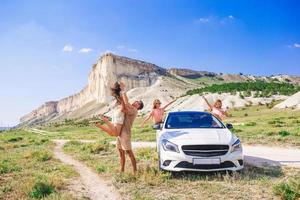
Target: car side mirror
{"points": [[229, 126], [157, 126]]}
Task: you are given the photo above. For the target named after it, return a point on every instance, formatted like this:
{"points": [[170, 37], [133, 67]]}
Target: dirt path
{"points": [[95, 188]]}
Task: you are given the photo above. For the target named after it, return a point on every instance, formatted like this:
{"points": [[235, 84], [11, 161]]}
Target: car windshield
{"points": [[192, 120]]}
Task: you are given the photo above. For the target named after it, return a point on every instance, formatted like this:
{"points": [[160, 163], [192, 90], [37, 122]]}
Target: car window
{"points": [[192, 120]]}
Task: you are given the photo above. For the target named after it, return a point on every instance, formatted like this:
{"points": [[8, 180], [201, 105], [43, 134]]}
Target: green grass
{"points": [[266, 126], [288, 189], [150, 183], [28, 169], [253, 124]]}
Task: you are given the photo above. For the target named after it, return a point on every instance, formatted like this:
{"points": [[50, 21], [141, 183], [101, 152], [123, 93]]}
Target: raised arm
{"points": [[146, 119], [123, 92], [209, 105], [225, 112]]}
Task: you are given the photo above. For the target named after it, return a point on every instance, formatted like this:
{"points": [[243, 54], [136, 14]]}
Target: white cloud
{"points": [[85, 50], [67, 48], [293, 46], [202, 20], [230, 17], [215, 20], [296, 45]]}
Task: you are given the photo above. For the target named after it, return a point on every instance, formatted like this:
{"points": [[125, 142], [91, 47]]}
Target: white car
{"points": [[197, 141]]}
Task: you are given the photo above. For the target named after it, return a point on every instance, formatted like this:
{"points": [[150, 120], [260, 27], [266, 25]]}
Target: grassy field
{"points": [[150, 183], [254, 125], [262, 125], [29, 171]]}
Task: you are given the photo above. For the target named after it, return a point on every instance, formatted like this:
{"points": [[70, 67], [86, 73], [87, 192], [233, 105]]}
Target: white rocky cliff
{"points": [[108, 69], [146, 82]]}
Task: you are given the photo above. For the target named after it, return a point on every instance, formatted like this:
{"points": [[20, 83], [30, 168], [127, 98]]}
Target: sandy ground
{"points": [[89, 184]]}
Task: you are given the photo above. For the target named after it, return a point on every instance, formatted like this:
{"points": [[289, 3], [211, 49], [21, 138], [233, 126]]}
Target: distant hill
{"points": [[145, 81], [4, 128]]}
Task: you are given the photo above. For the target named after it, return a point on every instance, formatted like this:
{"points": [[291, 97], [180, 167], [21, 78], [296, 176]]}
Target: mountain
{"points": [[145, 81]]}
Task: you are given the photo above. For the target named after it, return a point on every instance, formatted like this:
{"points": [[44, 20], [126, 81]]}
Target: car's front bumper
{"points": [[172, 161]]}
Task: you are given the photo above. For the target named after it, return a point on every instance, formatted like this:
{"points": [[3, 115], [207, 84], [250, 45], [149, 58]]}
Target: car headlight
{"points": [[236, 146], [169, 146]]}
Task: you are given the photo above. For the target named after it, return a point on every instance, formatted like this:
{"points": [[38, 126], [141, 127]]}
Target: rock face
{"points": [[291, 102], [145, 81], [188, 73], [108, 69], [43, 111]]}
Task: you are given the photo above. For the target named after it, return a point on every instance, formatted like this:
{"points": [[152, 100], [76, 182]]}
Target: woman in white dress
{"points": [[114, 127]]}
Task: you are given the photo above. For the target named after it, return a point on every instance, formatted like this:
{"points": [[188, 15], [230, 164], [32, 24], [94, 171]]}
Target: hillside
{"points": [[145, 81]]}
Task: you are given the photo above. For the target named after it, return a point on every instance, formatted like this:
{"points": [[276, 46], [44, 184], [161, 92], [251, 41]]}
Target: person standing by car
{"points": [[157, 112], [216, 109], [124, 140]]}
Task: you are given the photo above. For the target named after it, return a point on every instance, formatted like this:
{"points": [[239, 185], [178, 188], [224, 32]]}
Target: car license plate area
{"points": [[206, 161]]}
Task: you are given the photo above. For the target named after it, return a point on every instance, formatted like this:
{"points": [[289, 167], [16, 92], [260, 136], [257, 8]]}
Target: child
{"points": [[157, 112], [114, 128], [217, 109]]}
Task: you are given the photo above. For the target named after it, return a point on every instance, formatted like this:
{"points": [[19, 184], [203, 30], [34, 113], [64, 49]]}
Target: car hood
{"points": [[198, 136]]}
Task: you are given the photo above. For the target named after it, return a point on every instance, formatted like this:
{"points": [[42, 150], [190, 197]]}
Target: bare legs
{"points": [[111, 129], [132, 159], [122, 160]]}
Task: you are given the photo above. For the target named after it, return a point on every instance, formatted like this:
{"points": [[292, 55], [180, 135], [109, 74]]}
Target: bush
{"points": [[289, 190], [41, 156], [41, 189], [96, 148], [101, 168], [7, 167], [250, 124], [15, 139], [262, 89], [284, 133]]}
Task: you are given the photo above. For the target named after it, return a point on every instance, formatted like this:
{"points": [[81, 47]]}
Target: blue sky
{"points": [[47, 47]]}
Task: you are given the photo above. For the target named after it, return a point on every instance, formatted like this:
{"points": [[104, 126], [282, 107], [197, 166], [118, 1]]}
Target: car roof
{"points": [[190, 112]]}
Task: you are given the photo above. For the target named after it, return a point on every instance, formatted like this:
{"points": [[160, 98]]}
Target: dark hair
{"points": [[141, 105], [116, 91]]}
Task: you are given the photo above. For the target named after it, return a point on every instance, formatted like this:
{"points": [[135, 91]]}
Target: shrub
{"points": [[284, 133], [6, 167], [41, 189], [263, 89], [101, 169], [15, 139], [250, 124], [289, 190], [41, 155], [246, 114], [236, 130], [96, 148]]}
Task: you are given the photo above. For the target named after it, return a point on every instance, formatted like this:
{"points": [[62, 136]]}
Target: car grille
{"points": [[187, 165], [205, 150]]}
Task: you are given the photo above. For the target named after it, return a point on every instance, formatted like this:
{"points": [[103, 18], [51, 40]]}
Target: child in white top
{"points": [[114, 128]]}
